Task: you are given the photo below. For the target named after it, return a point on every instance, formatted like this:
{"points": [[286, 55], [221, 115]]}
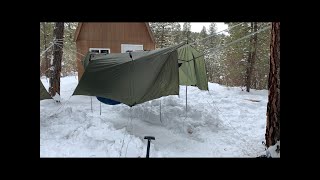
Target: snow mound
{"points": [[174, 115], [80, 130]]}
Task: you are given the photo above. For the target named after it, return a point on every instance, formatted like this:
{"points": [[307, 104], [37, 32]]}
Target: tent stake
{"points": [[91, 104], [160, 111], [100, 108], [186, 101]]}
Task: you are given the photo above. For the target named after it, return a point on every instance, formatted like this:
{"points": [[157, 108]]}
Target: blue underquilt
{"points": [[108, 101]]}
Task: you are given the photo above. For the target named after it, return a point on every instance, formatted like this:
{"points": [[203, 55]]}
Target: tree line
{"points": [[245, 63]]}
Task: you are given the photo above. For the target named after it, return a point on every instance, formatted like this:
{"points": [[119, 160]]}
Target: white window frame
{"points": [[99, 49], [137, 45]]}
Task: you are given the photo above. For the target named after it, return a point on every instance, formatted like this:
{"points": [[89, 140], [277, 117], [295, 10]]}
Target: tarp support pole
{"points": [[91, 104], [160, 112], [100, 108], [186, 100]]}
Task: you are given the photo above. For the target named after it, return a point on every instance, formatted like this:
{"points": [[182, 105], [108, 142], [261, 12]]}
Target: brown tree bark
{"points": [[162, 36], [251, 56], [273, 108], [57, 58], [46, 61]]}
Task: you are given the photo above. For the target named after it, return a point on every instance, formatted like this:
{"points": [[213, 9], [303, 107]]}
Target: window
{"points": [[95, 51], [104, 51], [100, 50], [131, 47]]}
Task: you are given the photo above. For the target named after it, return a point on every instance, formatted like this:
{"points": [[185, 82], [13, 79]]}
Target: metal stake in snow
{"points": [[186, 100], [149, 140], [160, 111], [187, 89], [91, 104], [100, 108]]}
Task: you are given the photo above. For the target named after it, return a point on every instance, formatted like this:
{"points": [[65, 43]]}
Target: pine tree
{"points": [[203, 33], [57, 58], [201, 41], [68, 64], [186, 32], [213, 33], [163, 33], [46, 61], [251, 56], [177, 35], [261, 68], [237, 54], [46, 37], [217, 59], [68, 60], [214, 58], [273, 108]]}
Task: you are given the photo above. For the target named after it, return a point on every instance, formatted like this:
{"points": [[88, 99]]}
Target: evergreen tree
{"points": [[261, 68], [217, 59], [214, 58], [203, 33], [237, 54], [213, 33], [186, 32], [177, 34], [251, 56], [201, 42], [46, 38], [273, 108], [163, 33], [69, 65], [57, 58]]}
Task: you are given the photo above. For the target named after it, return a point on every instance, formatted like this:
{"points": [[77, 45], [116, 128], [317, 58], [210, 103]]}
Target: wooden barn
{"points": [[116, 37]]}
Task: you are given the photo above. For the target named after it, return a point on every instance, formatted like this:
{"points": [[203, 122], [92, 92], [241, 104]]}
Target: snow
{"points": [[56, 97], [218, 123], [273, 152]]}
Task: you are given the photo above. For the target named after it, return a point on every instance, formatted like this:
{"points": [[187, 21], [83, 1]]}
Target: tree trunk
{"points": [[251, 56], [273, 108], [41, 60], [247, 78], [162, 36], [57, 58], [46, 60], [254, 78], [254, 53]]}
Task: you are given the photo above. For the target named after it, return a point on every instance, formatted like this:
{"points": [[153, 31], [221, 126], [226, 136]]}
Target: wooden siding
{"points": [[115, 32], [111, 35]]}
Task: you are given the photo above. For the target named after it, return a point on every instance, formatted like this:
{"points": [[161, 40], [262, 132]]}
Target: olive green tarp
{"points": [[43, 92], [192, 70], [148, 75]]}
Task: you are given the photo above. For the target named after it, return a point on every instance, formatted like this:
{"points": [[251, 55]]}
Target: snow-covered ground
{"points": [[223, 122]]}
